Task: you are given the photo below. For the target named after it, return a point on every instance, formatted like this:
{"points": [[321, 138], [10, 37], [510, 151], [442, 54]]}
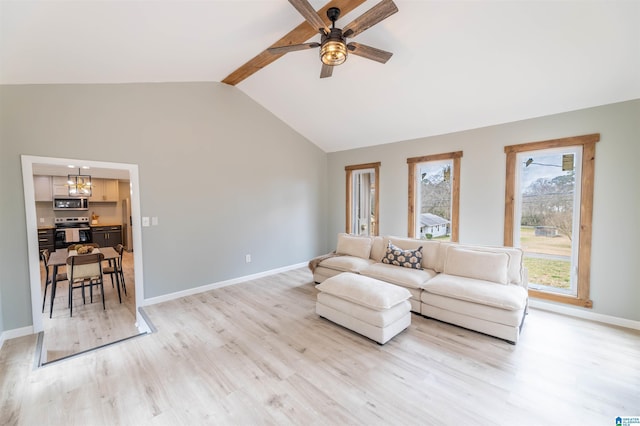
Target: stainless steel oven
{"points": [[70, 203], [71, 230]]}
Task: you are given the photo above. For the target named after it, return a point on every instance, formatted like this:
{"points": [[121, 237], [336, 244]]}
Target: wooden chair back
{"points": [[85, 266]]}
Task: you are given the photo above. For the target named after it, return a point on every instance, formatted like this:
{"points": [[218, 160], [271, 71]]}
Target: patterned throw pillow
{"points": [[399, 257]]}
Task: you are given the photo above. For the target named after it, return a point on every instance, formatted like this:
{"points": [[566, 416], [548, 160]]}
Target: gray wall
{"points": [[615, 248], [223, 175], [226, 178]]}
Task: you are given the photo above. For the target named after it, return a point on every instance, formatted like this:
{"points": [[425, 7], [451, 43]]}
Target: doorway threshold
{"points": [[39, 352]]}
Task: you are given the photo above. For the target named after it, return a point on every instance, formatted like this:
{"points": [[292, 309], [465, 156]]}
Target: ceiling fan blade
{"points": [[292, 48], [369, 52], [326, 71], [377, 13], [310, 14]]}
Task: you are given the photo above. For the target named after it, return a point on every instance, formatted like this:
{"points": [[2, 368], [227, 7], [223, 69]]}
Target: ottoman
{"points": [[372, 308]]}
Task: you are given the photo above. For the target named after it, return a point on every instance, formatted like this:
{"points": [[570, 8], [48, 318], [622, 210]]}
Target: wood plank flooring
{"points": [[256, 353], [90, 326]]}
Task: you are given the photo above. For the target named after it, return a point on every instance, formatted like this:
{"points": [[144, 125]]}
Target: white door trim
{"points": [[32, 229]]}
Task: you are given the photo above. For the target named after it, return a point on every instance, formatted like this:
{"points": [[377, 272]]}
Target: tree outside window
{"points": [[548, 213], [434, 196]]}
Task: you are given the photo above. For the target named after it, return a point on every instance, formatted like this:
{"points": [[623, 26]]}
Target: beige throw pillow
{"points": [[354, 246], [481, 265]]}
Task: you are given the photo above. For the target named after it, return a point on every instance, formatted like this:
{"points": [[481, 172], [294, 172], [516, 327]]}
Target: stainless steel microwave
{"points": [[74, 203]]}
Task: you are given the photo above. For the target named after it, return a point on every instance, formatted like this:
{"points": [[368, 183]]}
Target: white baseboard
{"points": [[207, 287], [17, 332], [579, 313]]}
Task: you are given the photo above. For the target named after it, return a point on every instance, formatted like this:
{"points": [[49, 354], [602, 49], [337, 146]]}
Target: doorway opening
{"points": [[97, 327]]}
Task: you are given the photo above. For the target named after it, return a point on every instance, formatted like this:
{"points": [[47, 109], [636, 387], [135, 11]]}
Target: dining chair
{"points": [[116, 268], [44, 255], [85, 270]]}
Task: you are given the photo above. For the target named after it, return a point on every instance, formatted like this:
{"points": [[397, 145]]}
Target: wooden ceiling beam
{"points": [[299, 34]]}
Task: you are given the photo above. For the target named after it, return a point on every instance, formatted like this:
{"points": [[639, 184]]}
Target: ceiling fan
{"points": [[333, 46]]}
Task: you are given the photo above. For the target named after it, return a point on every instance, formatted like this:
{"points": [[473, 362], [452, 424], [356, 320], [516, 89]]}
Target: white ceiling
{"points": [[457, 64]]}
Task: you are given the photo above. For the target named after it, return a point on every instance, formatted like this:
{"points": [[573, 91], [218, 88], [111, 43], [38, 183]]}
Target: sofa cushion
{"points": [[412, 278], [515, 268], [442, 307], [481, 265], [354, 245], [430, 251], [346, 263], [405, 258], [364, 291], [510, 297]]}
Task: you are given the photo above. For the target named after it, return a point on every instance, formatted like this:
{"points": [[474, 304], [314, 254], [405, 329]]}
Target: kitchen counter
{"points": [[46, 227], [99, 225]]}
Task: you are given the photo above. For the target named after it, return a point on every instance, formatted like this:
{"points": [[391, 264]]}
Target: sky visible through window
{"points": [[545, 166]]}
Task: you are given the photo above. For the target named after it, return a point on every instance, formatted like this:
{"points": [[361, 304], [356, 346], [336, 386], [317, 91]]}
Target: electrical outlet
{"points": [[42, 220], [154, 221], [145, 221], [247, 258]]}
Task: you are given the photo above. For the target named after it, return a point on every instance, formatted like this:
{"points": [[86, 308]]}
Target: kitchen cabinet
{"points": [[106, 236], [46, 239], [104, 190], [42, 187], [60, 186]]}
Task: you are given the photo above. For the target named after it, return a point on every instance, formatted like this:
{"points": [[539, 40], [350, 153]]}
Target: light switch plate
{"points": [[145, 221]]}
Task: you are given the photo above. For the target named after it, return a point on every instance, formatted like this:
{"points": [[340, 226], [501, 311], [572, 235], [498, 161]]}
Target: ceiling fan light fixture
{"points": [[333, 46], [333, 52]]}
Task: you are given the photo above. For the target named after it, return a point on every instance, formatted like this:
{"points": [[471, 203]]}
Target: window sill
{"points": [[561, 298]]}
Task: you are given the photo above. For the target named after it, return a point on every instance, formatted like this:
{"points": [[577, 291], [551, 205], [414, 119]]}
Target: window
{"points": [[362, 199], [434, 196], [548, 211]]}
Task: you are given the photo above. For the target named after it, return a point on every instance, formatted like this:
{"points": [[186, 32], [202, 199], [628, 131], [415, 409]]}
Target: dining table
{"points": [[59, 258]]}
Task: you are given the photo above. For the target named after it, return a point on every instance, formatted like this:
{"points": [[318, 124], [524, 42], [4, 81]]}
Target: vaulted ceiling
{"points": [[456, 65]]}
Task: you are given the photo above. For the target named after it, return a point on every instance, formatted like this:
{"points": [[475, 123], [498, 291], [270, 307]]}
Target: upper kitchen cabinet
{"points": [[42, 188], [60, 186], [104, 190]]}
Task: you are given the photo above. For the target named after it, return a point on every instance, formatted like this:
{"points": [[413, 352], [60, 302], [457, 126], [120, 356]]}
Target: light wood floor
{"points": [[256, 353], [90, 326]]}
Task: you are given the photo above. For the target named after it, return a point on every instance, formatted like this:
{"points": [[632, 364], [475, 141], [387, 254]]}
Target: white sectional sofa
{"points": [[481, 288]]}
